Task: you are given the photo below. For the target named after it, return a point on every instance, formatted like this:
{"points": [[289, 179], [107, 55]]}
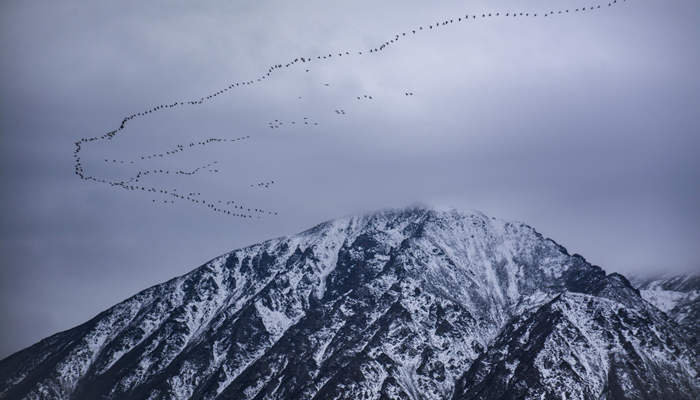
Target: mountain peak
{"points": [[418, 302]]}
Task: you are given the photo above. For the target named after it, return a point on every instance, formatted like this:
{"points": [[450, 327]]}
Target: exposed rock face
{"points": [[408, 304]]}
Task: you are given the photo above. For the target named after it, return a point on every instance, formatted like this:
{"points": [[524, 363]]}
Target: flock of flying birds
{"points": [[263, 185], [230, 207], [276, 124]]}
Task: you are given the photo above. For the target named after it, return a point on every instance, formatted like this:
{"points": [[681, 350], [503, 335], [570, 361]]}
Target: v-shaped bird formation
{"points": [[230, 207]]}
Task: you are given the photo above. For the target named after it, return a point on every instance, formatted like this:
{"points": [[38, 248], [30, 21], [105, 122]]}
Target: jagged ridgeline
{"points": [[233, 208], [417, 303]]}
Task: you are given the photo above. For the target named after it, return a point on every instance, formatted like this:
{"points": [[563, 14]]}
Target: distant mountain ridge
{"points": [[416, 303], [679, 297]]}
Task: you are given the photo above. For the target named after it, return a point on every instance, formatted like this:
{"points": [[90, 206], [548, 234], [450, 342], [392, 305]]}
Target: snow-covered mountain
{"points": [[679, 297], [416, 303]]}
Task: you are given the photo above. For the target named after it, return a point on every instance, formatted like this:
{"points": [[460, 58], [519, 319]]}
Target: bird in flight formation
{"points": [[230, 207]]}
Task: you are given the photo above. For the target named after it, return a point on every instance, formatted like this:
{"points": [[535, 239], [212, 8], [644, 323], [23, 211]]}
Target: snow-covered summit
{"points": [[415, 303]]}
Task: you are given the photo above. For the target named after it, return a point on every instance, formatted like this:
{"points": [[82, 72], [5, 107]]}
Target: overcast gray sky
{"points": [[584, 126]]}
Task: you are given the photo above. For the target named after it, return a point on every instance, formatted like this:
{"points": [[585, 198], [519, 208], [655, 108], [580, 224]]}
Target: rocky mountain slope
{"points": [[679, 297], [416, 303]]}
